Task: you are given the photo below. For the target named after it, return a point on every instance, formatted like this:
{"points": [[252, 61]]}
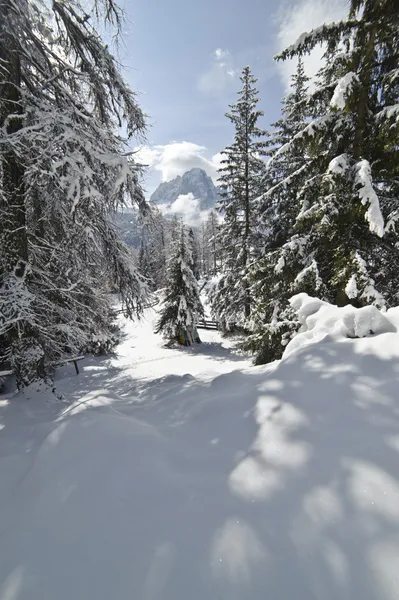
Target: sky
{"points": [[184, 59]]}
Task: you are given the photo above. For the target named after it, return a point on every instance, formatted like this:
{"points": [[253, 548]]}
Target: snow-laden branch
{"points": [[369, 197], [343, 90]]}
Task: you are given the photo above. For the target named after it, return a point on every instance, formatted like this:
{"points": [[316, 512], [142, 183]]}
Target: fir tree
{"points": [[63, 170], [240, 183], [182, 305], [211, 243], [347, 198], [272, 318], [343, 246], [194, 249], [153, 248]]}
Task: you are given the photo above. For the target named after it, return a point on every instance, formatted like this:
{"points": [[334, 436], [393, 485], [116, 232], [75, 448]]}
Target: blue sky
{"points": [[185, 58]]}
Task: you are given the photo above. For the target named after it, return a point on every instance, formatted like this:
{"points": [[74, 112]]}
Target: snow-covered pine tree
{"points": [[153, 248], [271, 317], [182, 306], [63, 170], [353, 169], [195, 253], [211, 243], [240, 183], [344, 248]]}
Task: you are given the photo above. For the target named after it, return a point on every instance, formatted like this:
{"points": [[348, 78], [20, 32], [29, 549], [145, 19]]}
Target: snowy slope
{"points": [[180, 475]]}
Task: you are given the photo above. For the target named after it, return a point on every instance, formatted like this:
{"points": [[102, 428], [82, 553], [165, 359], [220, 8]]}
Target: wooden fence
{"points": [[207, 324]]}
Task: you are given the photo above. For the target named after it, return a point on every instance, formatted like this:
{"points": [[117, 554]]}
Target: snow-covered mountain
{"points": [[195, 182]]}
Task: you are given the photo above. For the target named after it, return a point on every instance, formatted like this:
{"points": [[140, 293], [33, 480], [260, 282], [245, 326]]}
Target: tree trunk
{"points": [[26, 356], [247, 213], [365, 80]]}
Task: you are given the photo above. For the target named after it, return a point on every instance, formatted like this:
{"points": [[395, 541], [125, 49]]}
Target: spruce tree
{"points": [[343, 246], [271, 317], [348, 197], [181, 308], [240, 183], [211, 242], [64, 169], [153, 248], [194, 249]]}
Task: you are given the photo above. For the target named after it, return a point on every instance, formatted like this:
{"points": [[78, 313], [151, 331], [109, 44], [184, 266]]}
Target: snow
{"points": [[279, 265], [343, 89], [390, 113], [310, 36], [351, 288], [369, 198], [339, 165], [187, 474], [321, 320]]}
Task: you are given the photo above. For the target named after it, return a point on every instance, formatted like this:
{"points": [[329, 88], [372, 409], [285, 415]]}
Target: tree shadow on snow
{"points": [[214, 350], [280, 482]]}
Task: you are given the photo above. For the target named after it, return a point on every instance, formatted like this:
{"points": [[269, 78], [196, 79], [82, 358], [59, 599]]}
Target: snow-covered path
{"points": [[188, 475]]}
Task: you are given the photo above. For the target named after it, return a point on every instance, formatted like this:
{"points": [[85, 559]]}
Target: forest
{"points": [[206, 407], [310, 205]]}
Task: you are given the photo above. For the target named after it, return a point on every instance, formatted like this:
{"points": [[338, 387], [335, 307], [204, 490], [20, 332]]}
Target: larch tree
{"points": [[64, 168], [181, 308], [240, 183]]}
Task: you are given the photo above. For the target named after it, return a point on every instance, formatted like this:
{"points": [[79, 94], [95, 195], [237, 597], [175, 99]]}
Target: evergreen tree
{"points": [[153, 248], [63, 170], [271, 317], [194, 249], [343, 246], [240, 182], [182, 305], [211, 243]]}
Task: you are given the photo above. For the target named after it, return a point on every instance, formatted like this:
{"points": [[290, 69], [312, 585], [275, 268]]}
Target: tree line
{"points": [[311, 205]]}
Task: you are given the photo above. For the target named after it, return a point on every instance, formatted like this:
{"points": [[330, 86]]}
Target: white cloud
{"points": [[220, 75], [298, 17], [178, 157], [188, 208]]}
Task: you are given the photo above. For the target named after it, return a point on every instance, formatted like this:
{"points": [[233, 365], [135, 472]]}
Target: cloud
{"points": [[188, 208], [178, 157], [220, 75], [298, 17]]}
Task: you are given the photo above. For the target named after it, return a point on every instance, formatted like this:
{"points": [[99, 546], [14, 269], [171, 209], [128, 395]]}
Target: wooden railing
{"points": [[207, 324]]}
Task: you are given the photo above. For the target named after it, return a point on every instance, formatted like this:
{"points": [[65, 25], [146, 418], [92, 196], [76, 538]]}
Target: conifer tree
{"points": [[272, 318], [240, 183], [347, 198], [63, 170], [153, 248], [181, 308], [343, 246], [212, 244], [194, 248]]}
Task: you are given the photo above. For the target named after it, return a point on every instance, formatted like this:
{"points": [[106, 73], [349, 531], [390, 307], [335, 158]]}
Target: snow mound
{"points": [[320, 319]]}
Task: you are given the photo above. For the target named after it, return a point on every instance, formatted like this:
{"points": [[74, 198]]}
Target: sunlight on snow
{"points": [[237, 551]]}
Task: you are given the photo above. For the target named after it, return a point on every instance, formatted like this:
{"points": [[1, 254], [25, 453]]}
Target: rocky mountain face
{"points": [[195, 181]]}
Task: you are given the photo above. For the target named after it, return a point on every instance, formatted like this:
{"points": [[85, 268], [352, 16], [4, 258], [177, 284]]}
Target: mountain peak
{"points": [[195, 182]]}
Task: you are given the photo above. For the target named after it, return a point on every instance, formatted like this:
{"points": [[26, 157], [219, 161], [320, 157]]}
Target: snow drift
{"points": [[267, 482]]}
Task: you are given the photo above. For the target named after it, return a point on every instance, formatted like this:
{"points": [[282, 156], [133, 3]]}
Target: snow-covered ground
{"points": [[187, 474]]}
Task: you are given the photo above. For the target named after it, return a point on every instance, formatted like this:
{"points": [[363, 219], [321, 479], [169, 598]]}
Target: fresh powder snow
{"points": [[343, 89], [175, 474]]}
